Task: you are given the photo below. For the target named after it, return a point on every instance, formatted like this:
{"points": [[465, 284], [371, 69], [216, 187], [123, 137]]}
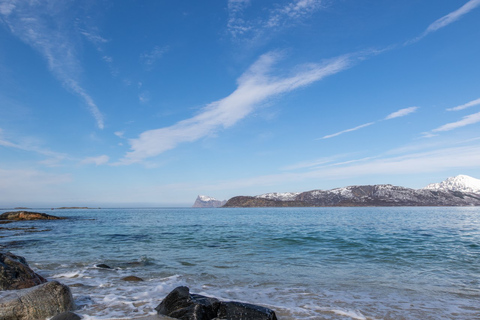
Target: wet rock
{"points": [[243, 311], [180, 304], [103, 266], [27, 215], [40, 302], [132, 278], [67, 316], [16, 274]]}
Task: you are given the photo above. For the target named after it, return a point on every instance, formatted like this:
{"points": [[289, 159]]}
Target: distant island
{"points": [[208, 202], [62, 208], [461, 190]]}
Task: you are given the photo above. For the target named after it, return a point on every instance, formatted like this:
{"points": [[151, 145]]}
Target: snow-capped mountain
{"points": [[208, 202], [457, 191], [460, 183]]}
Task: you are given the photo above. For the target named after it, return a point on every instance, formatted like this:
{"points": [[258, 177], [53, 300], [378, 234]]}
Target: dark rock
{"points": [[67, 316], [27, 215], [16, 274], [40, 302], [132, 278], [244, 311], [180, 304], [103, 266]]}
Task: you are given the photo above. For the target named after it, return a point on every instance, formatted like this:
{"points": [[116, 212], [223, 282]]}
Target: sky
{"points": [[151, 103]]}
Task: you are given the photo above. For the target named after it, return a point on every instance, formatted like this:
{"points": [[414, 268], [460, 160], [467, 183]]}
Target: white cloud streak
{"points": [[348, 130], [452, 16], [467, 120], [53, 41], [466, 105], [255, 87], [448, 19], [393, 115], [401, 113]]}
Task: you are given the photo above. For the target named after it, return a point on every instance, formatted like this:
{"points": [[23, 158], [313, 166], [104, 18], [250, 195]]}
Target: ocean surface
{"points": [[304, 263]]}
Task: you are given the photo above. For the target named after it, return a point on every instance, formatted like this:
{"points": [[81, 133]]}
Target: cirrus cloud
{"points": [[255, 87]]}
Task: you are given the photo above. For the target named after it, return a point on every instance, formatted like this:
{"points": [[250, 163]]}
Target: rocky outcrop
{"points": [[27, 215], [40, 302], [364, 196], [180, 304], [207, 202], [16, 274]]}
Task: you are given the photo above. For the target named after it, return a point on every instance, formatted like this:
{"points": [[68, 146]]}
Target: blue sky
{"points": [[126, 103]]}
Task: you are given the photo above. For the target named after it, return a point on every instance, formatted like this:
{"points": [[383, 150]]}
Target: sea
{"points": [[304, 263]]}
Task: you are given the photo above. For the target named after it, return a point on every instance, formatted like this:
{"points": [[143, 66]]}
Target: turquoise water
{"points": [[305, 263]]}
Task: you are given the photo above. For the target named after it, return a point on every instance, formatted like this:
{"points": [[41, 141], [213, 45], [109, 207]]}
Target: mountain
{"points": [[207, 202], [460, 183], [364, 196]]}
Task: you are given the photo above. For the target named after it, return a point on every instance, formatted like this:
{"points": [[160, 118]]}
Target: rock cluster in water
{"points": [[25, 295], [180, 304]]}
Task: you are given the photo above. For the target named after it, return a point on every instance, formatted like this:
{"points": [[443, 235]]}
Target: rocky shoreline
{"points": [[26, 295]]}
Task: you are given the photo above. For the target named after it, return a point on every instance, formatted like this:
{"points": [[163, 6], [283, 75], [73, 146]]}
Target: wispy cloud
{"points": [[31, 146], [255, 86], [236, 24], [401, 113], [467, 120], [48, 32], [466, 105], [347, 130], [448, 19], [150, 58], [280, 16], [436, 160], [393, 115], [103, 159]]}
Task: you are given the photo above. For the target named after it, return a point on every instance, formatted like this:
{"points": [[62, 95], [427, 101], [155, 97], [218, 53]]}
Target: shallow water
{"points": [[305, 263]]}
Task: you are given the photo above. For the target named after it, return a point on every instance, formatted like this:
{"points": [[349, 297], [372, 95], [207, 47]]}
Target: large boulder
{"points": [[40, 302], [27, 215], [16, 274], [180, 304]]}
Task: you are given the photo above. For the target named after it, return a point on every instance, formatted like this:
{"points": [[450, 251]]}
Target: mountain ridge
{"points": [[370, 195]]}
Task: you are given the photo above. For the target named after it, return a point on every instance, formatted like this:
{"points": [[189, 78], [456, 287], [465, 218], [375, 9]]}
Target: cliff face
{"points": [[365, 196]]}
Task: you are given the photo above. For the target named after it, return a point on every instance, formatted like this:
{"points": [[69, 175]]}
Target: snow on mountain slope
{"points": [[280, 196], [460, 183]]}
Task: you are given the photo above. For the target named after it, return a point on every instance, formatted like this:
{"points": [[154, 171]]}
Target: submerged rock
{"points": [[16, 274], [67, 316], [27, 215], [180, 304], [40, 302], [132, 278]]}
